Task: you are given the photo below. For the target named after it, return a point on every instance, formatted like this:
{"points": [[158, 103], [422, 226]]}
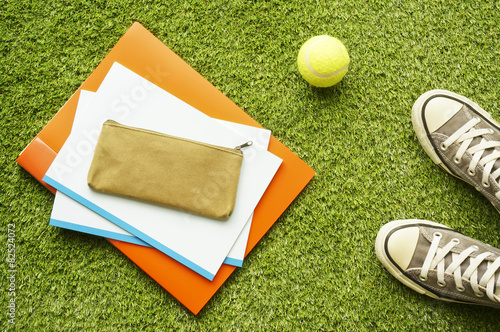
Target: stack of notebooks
{"points": [[142, 83]]}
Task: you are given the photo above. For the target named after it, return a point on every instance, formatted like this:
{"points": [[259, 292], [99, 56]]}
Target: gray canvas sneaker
{"points": [[440, 262], [460, 137]]}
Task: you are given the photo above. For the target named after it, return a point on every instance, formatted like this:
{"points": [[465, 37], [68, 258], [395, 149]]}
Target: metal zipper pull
{"points": [[244, 145]]}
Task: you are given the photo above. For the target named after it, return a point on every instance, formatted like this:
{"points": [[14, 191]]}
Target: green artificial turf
{"points": [[316, 269]]}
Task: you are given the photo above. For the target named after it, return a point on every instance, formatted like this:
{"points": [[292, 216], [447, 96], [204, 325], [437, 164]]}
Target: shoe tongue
{"points": [[481, 270], [476, 141]]}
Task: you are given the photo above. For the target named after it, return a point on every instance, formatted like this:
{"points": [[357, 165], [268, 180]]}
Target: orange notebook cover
{"points": [[143, 53]]}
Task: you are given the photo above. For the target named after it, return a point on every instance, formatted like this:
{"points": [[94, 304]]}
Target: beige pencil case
{"points": [[167, 170]]}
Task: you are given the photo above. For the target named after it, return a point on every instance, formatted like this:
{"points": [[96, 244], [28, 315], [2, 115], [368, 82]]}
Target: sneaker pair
{"points": [[431, 258]]}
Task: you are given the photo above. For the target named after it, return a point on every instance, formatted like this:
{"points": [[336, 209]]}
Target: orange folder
{"points": [[144, 54]]}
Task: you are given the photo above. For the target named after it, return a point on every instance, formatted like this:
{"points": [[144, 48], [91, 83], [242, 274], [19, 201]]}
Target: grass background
{"points": [[316, 269]]}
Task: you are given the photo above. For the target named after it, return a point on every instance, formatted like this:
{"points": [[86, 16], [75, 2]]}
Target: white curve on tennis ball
{"points": [[314, 72]]}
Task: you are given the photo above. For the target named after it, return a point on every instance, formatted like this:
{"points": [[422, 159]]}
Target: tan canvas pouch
{"points": [[167, 170]]}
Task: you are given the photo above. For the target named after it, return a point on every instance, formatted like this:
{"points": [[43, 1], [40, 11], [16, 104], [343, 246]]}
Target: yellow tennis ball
{"points": [[323, 61]]}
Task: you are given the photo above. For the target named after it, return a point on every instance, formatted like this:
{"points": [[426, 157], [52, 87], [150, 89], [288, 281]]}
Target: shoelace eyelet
{"points": [[441, 283], [455, 240], [491, 131], [471, 172], [443, 146], [461, 289], [479, 294], [437, 234], [457, 160], [486, 184], [422, 278]]}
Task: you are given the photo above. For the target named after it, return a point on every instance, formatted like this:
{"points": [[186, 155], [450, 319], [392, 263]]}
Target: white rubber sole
{"points": [[382, 257]]}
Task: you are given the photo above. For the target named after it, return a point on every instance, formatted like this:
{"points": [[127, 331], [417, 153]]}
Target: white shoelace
{"points": [[436, 258], [465, 135]]}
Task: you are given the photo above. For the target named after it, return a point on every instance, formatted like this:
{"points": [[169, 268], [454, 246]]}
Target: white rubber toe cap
{"points": [[439, 110], [401, 245]]}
